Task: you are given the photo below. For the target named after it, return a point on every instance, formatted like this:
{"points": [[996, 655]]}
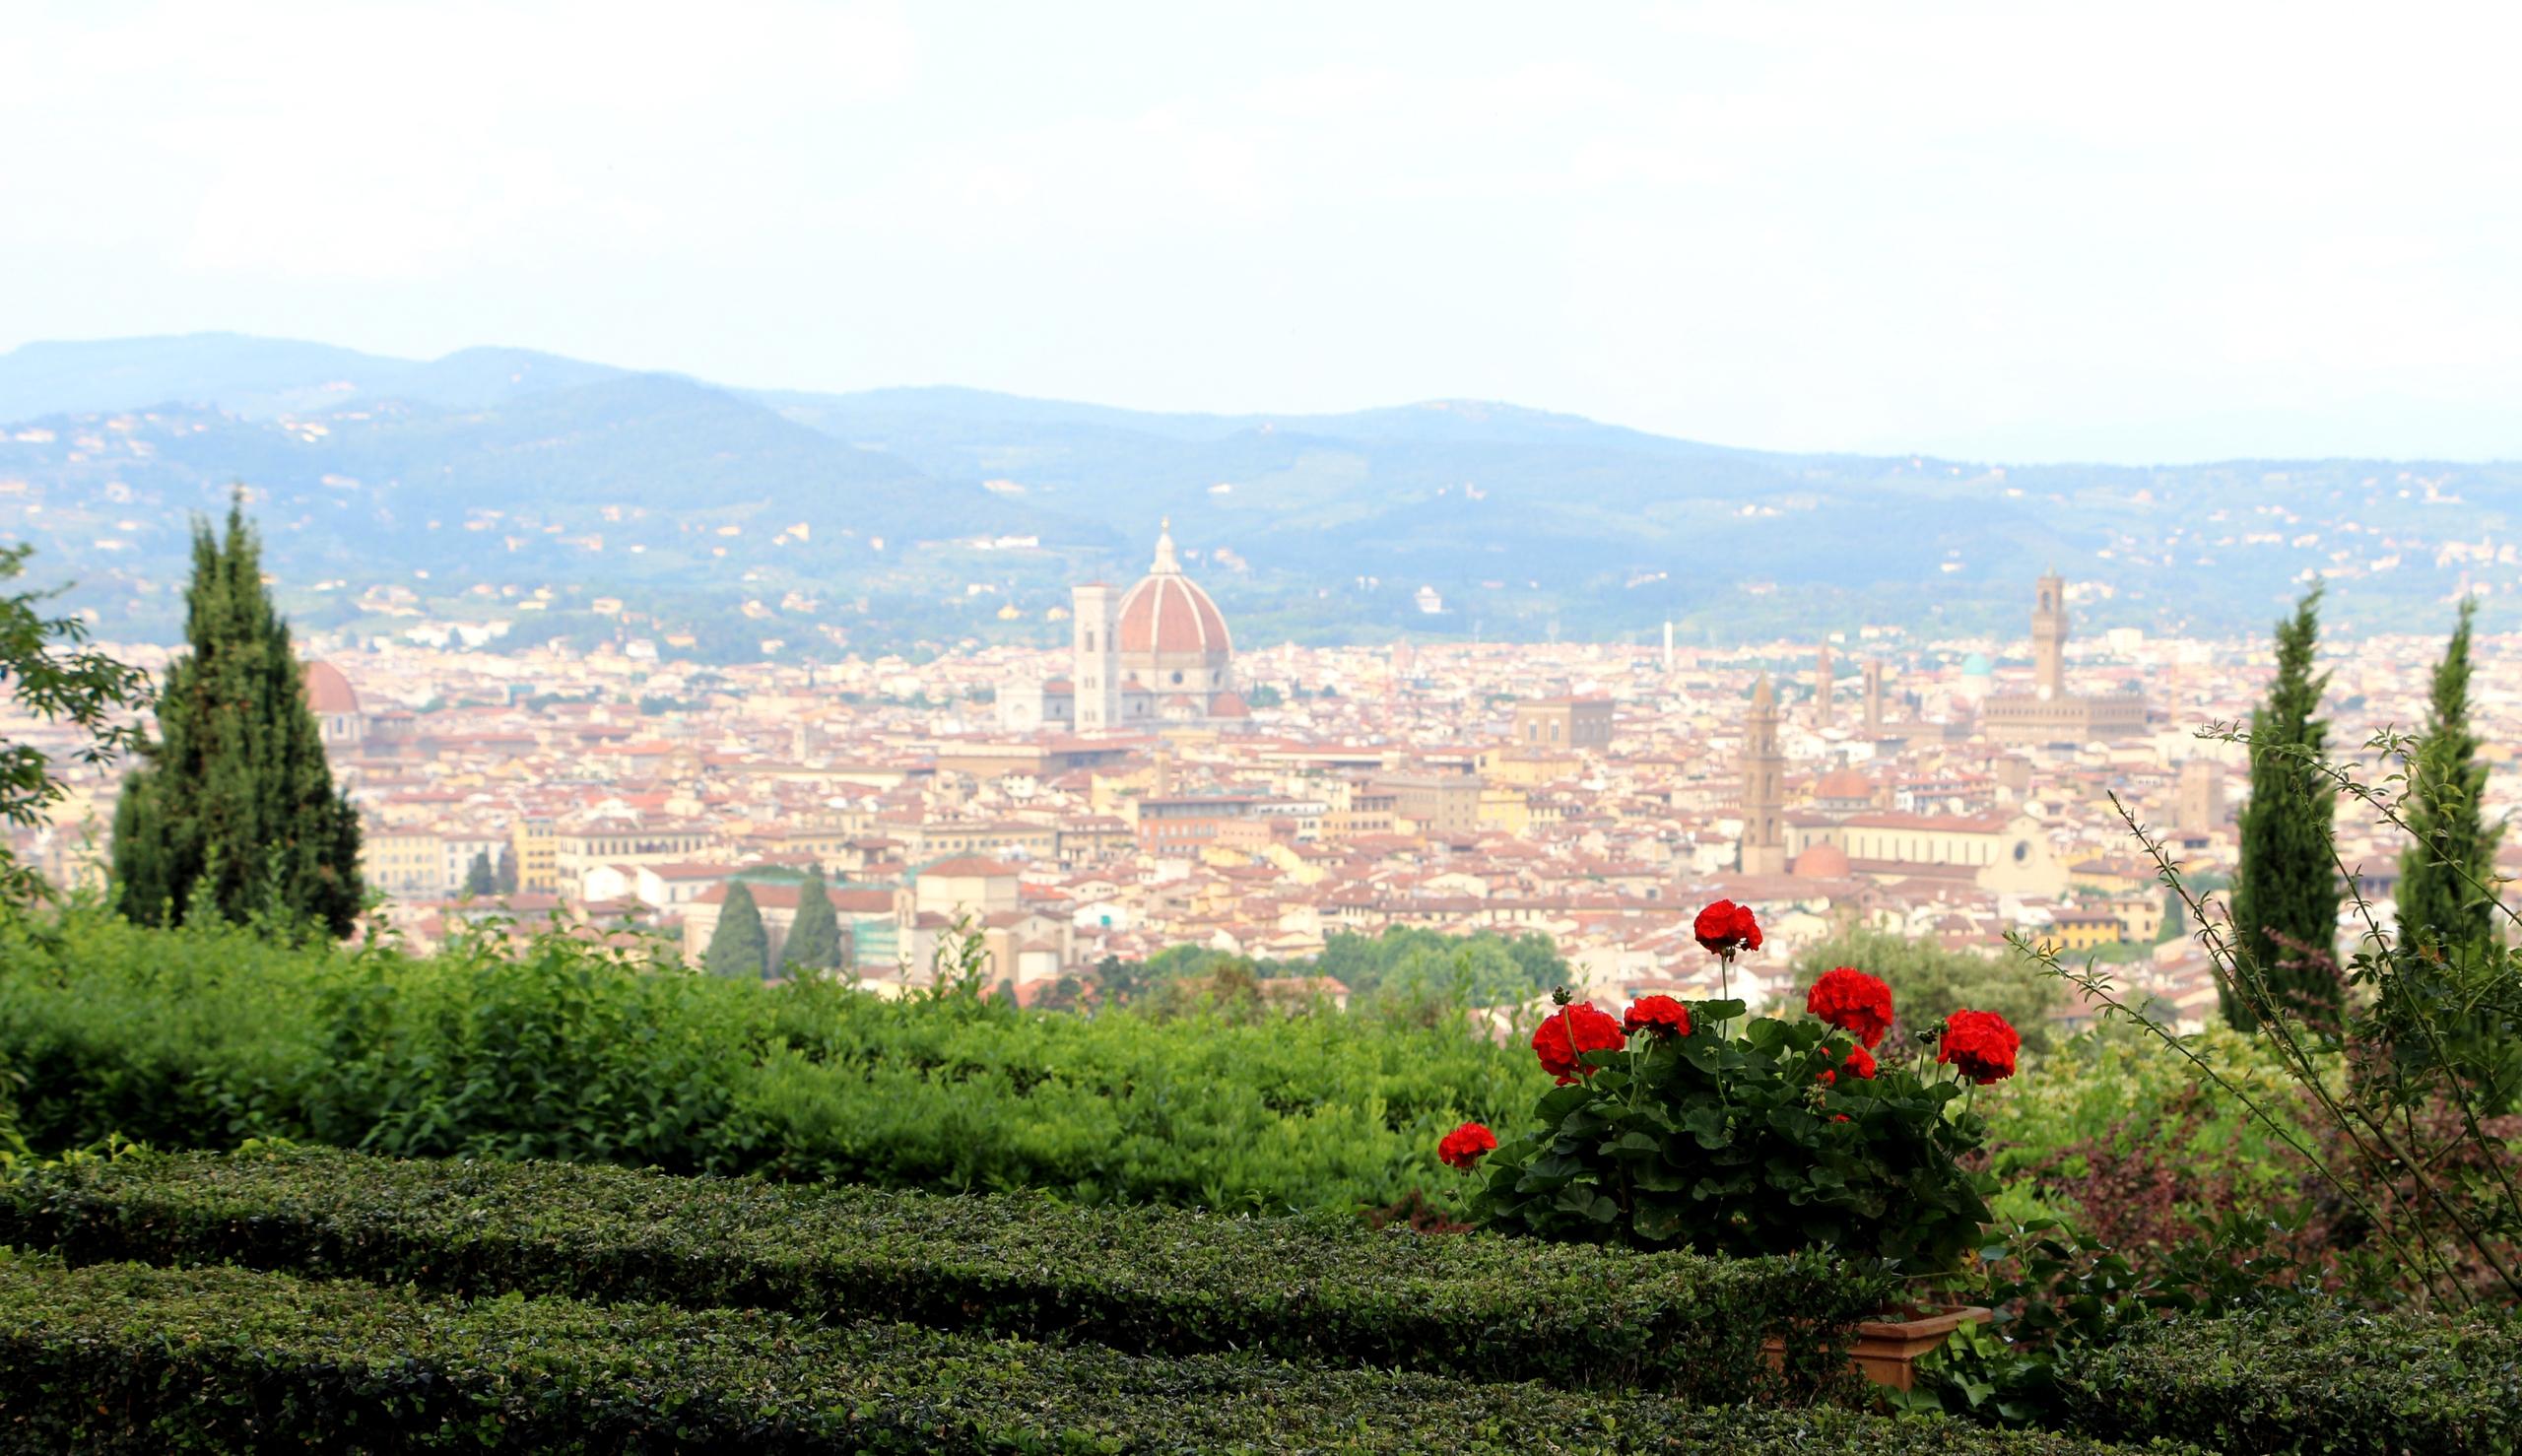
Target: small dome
{"points": [[328, 692], [1844, 783], [1229, 704], [1823, 862], [1976, 665]]}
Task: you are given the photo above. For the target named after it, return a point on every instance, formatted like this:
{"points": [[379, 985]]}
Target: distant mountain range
{"points": [[395, 493]]}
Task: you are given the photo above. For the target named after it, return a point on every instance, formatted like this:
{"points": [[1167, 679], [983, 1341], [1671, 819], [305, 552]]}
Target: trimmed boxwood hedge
{"points": [[2316, 1380], [120, 1357], [1138, 1278]]}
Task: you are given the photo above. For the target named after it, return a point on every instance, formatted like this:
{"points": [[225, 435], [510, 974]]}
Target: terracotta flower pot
{"points": [[1886, 1350]]}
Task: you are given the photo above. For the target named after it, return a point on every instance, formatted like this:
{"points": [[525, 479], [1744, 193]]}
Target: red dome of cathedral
{"points": [[328, 692], [1166, 612]]}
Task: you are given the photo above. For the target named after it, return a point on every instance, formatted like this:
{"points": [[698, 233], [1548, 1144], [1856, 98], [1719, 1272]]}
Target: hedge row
{"points": [[1140, 1278], [2328, 1380], [206, 1036], [127, 1358]]}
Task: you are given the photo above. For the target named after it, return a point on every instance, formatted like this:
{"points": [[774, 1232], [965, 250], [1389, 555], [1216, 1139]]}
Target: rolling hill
{"points": [[897, 516]]}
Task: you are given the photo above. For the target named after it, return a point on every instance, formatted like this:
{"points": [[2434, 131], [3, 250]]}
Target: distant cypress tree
{"points": [[739, 947], [2447, 923], [2439, 899], [814, 941], [481, 882], [2288, 888], [233, 814], [506, 884]]}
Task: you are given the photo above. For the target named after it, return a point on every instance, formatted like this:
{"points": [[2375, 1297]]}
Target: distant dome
{"points": [[1822, 861], [1843, 783], [1166, 612], [1229, 704], [328, 692], [1978, 665]]}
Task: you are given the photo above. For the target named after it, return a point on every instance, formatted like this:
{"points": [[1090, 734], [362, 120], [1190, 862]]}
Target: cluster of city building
{"points": [[1152, 787]]}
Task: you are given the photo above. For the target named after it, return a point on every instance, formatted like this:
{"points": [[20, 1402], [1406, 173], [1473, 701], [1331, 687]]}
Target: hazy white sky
{"points": [[2122, 231]]}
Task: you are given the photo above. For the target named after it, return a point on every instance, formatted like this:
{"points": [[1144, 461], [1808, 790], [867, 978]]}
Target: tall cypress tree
{"points": [[233, 814], [2287, 892], [739, 947], [814, 941], [2439, 899], [481, 882], [2447, 923]]}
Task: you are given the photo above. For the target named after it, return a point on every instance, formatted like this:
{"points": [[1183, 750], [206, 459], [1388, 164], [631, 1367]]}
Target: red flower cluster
{"points": [[1852, 1001], [1857, 1063], [1660, 1013], [1562, 1039], [1725, 928], [1981, 1044], [1465, 1146]]}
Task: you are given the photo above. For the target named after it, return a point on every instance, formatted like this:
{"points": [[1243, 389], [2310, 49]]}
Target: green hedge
{"points": [[1155, 1279], [203, 1038], [2329, 1380], [127, 1358]]}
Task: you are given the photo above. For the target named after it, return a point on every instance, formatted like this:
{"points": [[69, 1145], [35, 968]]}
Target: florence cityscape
{"points": [[849, 727]]}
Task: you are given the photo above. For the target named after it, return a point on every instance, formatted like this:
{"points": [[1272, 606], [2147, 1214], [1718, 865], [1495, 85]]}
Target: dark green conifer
{"points": [[739, 947], [2441, 900], [814, 941], [234, 814], [2285, 895], [481, 882]]}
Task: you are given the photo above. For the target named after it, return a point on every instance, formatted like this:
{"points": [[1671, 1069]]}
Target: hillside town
{"points": [[1150, 786]]}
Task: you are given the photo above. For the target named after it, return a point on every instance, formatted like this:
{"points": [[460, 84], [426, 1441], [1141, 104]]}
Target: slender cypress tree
{"points": [[481, 882], [2448, 921], [814, 941], [504, 881], [2439, 899], [739, 947], [234, 815], [2287, 893]]}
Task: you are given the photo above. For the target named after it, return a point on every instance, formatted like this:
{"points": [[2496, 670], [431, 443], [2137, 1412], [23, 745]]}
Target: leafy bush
{"points": [[1157, 1280], [207, 1037], [124, 1358], [2304, 1381]]}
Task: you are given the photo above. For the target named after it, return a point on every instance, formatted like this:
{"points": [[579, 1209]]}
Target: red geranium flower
{"points": [[1981, 1044], [1562, 1039], [1465, 1146], [1659, 1014], [1725, 928], [1857, 1063], [1852, 1001]]}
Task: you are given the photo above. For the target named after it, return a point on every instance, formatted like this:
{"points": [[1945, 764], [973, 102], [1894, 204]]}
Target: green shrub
{"points": [[1166, 1281], [207, 1037], [2330, 1380], [124, 1358]]}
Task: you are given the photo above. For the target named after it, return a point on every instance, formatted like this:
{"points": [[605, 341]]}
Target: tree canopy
{"points": [[2285, 895], [233, 814], [78, 686], [740, 946], [1929, 983]]}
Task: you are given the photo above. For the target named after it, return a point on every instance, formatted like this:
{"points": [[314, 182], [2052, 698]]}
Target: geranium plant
{"points": [[1692, 1125]]}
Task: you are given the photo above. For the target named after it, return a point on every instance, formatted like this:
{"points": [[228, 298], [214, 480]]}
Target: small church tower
{"points": [[1764, 787], [1095, 624], [2049, 639]]}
